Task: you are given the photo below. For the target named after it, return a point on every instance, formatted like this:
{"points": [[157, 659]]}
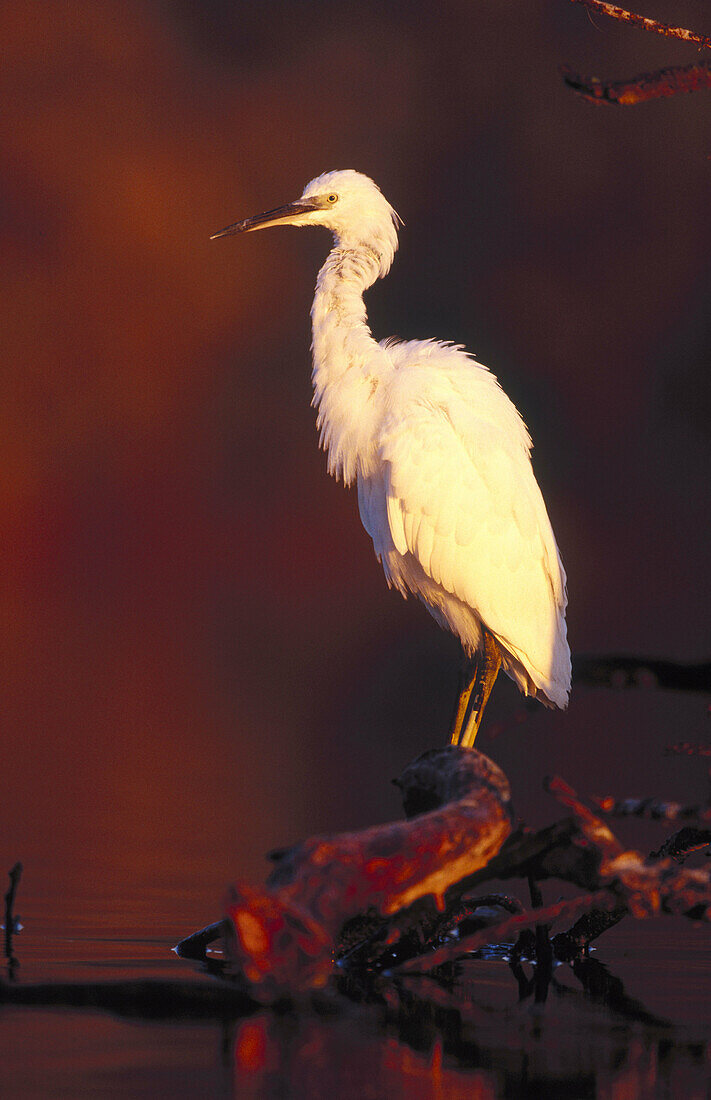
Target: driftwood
{"points": [[401, 899], [389, 913], [283, 936]]}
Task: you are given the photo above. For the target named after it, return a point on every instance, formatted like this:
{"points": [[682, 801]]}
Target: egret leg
{"points": [[480, 676], [467, 681]]}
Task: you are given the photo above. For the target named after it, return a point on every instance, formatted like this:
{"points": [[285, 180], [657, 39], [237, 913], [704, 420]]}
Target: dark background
{"points": [[200, 659]]}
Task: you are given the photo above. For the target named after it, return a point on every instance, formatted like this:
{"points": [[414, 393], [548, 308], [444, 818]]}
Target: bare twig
{"points": [[653, 808], [643, 23], [10, 919], [592, 826], [647, 887], [544, 951], [660, 84], [687, 748], [639, 89], [681, 845], [568, 945]]}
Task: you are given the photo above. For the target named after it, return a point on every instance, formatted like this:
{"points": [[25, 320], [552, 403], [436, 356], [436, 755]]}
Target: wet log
{"points": [[402, 897], [283, 936]]}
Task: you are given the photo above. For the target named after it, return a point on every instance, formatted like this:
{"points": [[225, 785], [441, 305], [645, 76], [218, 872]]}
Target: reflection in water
{"points": [[471, 1039], [477, 1032]]}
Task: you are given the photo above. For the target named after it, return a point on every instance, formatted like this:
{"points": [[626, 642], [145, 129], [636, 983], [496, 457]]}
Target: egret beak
{"points": [[282, 215]]}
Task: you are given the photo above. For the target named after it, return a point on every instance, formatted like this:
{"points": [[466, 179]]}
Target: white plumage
{"points": [[439, 453]]}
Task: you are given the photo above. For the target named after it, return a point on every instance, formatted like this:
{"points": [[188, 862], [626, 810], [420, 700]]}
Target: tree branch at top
{"points": [[624, 16], [662, 83]]}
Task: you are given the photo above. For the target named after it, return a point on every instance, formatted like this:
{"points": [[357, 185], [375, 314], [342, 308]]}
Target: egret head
{"points": [[346, 202]]}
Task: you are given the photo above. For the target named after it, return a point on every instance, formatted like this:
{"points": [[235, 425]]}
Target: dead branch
{"points": [[381, 946], [651, 887], [681, 845], [643, 23], [558, 851], [623, 671], [402, 897], [592, 826], [647, 887], [660, 84], [686, 748], [639, 89], [570, 945], [653, 808], [195, 945], [11, 923]]}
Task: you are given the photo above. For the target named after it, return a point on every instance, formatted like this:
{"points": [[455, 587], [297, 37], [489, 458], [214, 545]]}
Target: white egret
{"points": [[441, 458]]}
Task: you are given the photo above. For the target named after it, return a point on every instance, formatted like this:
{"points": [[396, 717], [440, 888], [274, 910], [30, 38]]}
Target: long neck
{"points": [[348, 364]]}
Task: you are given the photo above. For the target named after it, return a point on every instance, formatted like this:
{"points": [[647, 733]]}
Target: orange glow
{"points": [[251, 1046], [253, 936]]}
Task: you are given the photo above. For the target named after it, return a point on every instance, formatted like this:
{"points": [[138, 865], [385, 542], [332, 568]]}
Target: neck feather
{"points": [[348, 364]]}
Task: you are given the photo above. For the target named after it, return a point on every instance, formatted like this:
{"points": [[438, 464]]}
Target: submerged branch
{"points": [[195, 946], [507, 930]]}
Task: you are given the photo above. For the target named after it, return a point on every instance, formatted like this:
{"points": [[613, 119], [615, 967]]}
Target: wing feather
{"points": [[396, 520], [463, 500]]}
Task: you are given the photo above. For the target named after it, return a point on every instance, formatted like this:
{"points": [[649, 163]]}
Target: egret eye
{"points": [[332, 197]]}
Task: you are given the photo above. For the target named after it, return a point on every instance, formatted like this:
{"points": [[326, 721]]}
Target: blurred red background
{"points": [[200, 659]]}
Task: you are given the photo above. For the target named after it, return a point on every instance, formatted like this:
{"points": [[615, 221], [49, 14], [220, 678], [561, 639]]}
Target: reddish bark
{"points": [[386, 894], [645, 24], [639, 89], [283, 936], [661, 83]]}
